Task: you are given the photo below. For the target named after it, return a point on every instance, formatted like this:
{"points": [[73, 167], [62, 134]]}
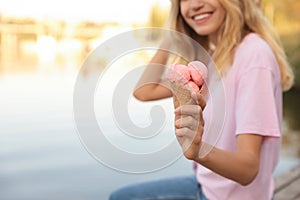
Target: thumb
{"points": [[199, 99]]}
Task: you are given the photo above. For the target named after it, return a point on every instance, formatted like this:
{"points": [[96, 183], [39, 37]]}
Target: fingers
{"points": [[190, 141], [186, 128], [188, 133], [184, 132], [188, 122], [193, 110], [190, 111]]}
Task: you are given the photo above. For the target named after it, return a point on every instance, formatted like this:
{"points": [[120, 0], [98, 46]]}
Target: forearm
{"points": [[151, 86], [240, 166]]}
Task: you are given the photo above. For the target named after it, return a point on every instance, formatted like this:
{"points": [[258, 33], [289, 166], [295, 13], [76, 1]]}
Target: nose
{"points": [[196, 4]]}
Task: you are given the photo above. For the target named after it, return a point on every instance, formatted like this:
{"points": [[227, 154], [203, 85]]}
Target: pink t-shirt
{"points": [[253, 100]]}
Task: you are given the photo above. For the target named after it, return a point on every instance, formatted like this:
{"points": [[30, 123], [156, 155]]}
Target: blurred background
{"points": [[43, 44]]}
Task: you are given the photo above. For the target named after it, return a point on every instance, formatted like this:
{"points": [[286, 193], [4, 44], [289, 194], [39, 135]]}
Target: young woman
{"points": [[254, 72]]}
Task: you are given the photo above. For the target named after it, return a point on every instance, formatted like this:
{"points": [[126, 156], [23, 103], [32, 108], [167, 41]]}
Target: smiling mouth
{"points": [[201, 16]]}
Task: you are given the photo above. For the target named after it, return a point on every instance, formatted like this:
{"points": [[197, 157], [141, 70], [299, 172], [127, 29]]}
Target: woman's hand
{"points": [[189, 125]]}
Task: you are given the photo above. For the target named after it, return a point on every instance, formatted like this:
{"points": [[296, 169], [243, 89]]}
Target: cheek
{"points": [[222, 14], [183, 10], [220, 18]]}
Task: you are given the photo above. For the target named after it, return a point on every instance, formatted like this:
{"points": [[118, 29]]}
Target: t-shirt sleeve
{"points": [[256, 103]]}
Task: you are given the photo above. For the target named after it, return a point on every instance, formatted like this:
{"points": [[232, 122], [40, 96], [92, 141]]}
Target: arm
{"points": [[241, 166], [150, 86]]}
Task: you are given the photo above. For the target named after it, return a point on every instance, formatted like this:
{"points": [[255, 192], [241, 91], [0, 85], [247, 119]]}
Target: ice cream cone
{"points": [[184, 79], [181, 95]]}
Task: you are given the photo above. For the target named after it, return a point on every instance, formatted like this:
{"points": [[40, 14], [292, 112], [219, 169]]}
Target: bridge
{"points": [[12, 33]]}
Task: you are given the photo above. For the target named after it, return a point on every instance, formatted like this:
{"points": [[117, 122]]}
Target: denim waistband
{"points": [[201, 195]]}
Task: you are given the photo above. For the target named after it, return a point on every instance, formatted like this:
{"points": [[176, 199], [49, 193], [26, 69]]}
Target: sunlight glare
{"points": [[46, 48], [101, 11]]}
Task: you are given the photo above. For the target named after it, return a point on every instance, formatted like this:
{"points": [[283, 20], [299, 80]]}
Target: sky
{"points": [[95, 10]]}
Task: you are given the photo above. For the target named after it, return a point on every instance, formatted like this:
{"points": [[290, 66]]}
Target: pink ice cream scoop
{"points": [[192, 76], [193, 86], [198, 72], [178, 73]]}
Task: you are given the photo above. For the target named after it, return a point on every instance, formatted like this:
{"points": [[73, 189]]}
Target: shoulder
{"points": [[255, 52], [254, 41]]}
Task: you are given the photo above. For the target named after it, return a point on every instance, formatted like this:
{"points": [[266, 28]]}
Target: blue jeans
{"points": [[178, 188]]}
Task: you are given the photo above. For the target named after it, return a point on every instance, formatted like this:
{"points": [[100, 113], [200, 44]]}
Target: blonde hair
{"points": [[242, 16]]}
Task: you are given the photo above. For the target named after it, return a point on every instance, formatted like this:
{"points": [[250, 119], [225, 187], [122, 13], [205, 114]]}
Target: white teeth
{"points": [[199, 17]]}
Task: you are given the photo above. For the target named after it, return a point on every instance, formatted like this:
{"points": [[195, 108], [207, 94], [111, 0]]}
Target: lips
{"points": [[201, 16]]}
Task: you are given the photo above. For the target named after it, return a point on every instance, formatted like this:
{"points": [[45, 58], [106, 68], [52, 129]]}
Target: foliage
{"points": [[286, 18]]}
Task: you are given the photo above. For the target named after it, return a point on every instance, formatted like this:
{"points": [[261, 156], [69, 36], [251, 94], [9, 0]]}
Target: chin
{"points": [[204, 31]]}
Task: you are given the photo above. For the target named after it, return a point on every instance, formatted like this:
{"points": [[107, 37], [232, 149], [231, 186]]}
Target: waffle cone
{"points": [[181, 95]]}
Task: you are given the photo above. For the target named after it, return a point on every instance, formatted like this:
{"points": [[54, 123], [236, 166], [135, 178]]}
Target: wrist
{"points": [[205, 153]]}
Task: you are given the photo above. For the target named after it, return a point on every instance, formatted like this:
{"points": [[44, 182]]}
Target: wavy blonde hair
{"points": [[242, 16]]}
